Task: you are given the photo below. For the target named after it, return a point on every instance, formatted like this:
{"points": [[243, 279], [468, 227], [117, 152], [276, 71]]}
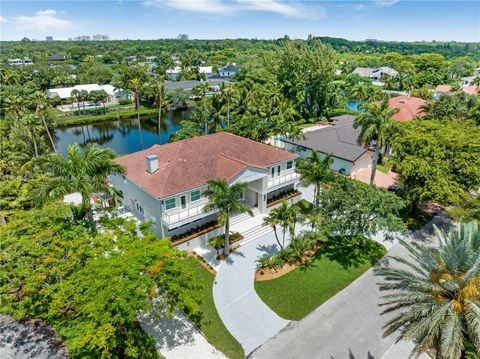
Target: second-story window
{"points": [[273, 172], [278, 170], [170, 203], [289, 164], [195, 196]]}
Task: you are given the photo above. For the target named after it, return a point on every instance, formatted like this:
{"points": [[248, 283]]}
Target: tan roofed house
{"points": [[165, 182]]}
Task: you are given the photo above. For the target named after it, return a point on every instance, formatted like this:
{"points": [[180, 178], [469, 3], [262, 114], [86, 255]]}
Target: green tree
{"points": [[376, 125], [354, 209], [437, 161], [315, 170], [435, 294], [226, 200], [83, 170], [286, 217], [136, 86]]}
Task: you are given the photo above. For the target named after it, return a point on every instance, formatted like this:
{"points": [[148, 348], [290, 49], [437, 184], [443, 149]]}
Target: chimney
{"points": [[152, 163]]}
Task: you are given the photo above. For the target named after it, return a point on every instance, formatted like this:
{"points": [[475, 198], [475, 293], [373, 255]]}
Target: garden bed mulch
{"points": [[286, 198], [264, 274]]}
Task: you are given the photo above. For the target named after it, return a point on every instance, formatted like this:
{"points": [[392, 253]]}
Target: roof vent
{"points": [[403, 102], [152, 163]]}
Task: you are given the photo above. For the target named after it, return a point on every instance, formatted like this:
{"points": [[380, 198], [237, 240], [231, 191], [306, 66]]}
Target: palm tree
{"points": [[136, 85], [225, 199], [315, 170], [89, 59], [77, 96], [203, 89], [376, 125], [40, 100], [226, 92], [285, 216], [15, 106], [436, 292], [84, 95], [159, 100], [83, 170]]}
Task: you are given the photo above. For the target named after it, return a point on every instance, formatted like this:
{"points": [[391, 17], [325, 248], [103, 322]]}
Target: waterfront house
{"points": [[375, 74], [165, 183], [228, 70], [441, 90], [113, 94], [340, 140]]}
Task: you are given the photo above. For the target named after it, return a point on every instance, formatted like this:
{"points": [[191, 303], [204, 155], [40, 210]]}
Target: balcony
{"points": [[182, 215], [277, 181]]}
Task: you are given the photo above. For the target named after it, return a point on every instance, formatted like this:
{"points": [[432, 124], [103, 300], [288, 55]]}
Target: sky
{"points": [[397, 20]]}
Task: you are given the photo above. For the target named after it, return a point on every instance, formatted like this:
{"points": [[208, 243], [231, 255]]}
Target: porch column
{"points": [[262, 202]]}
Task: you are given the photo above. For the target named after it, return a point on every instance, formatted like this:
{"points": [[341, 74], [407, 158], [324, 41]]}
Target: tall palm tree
{"points": [[203, 90], [226, 92], [159, 87], [315, 170], [77, 96], [136, 85], [225, 199], [436, 294], [83, 170], [15, 106], [376, 125], [286, 217], [32, 124], [40, 101], [84, 96]]}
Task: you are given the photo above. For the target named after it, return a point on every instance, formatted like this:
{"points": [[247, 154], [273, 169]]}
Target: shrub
{"points": [[273, 262], [125, 101]]}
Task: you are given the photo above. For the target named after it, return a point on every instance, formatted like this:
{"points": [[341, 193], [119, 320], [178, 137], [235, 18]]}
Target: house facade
{"points": [[228, 70], [113, 94], [340, 140], [165, 184], [375, 74]]}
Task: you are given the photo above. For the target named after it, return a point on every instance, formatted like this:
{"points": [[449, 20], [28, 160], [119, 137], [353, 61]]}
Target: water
{"points": [[122, 136], [354, 105]]}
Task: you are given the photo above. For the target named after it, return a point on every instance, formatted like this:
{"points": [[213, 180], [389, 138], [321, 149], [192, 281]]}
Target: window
{"points": [[195, 196], [170, 203], [289, 164], [139, 208], [278, 170], [273, 172]]}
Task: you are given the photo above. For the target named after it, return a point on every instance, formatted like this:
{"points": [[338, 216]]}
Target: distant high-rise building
{"points": [[82, 38], [182, 37], [100, 37], [49, 38]]}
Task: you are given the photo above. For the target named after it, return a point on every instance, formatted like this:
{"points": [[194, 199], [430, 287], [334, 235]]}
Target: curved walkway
{"points": [[244, 314]]}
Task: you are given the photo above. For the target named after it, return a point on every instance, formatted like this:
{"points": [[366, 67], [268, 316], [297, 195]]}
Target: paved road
{"points": [[245, 315], [349, 325]]}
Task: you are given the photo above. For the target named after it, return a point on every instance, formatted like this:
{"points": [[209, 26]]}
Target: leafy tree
{"points": [[435, 294], [83, 170], [437, 161], [226, 200], [354, 209], [376, 125], [91, 285]]}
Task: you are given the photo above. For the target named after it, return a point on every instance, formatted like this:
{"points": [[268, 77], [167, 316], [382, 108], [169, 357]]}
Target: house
{"points": [[375, 74], [150, 59], [441, 90], [214, 84], [468, 81], [113, 94], [20, 62], [473, 90], [228, 70], [57, 58], [476, 72], [340, 140], [165, 183], [174, 72], [409, 107]]}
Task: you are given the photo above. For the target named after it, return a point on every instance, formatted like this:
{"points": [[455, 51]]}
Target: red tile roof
{"points": [[471, 90], [189, 164], [409, 107], [444, 88]]}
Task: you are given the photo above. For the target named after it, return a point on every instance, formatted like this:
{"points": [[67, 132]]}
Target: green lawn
{"points": [[211, 324], [383, 168], [299, 292]]}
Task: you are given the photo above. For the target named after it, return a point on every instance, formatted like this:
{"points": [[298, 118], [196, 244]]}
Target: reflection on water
{"points": [[122, 136]]}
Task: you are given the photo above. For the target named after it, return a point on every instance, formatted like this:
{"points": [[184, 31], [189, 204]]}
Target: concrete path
{"points": [[178, 338], [242, 311], [349, 325]]}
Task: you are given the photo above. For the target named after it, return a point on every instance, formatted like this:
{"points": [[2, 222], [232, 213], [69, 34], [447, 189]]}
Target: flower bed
{"points": [[282, 197], [194, 233]]}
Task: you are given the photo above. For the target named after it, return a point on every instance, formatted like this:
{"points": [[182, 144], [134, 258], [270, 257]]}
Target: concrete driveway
{"points": [[242, 311], [349, 325]]}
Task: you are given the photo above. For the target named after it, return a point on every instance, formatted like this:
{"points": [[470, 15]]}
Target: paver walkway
{"points": [[349, 325]]}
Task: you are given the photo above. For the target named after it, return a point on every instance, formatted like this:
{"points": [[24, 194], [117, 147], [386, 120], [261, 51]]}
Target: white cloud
{"points": [[3, 20], [385, 2], [286, 8], [42, 21]]}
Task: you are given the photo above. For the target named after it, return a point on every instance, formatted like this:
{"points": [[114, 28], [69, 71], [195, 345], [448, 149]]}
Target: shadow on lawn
{"points": [[347, 251]]}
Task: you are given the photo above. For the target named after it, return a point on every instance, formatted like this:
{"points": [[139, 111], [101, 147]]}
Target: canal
{"points": [[122, 136]]}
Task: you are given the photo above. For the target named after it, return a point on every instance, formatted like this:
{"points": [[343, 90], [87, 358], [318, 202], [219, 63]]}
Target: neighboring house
{"points": [[228, 70], [57, 58], [441, 90], [338, 140], [473, 90], [174, 72], [476, 72], [467, 81], [150, 59], [409, 107], [113, 94], [20, 62], [375, 74], [165, 183]]}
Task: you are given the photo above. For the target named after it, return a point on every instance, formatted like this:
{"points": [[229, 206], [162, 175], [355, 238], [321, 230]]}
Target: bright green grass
{"points": [[302, 290], [211, 325], [383, 168]]}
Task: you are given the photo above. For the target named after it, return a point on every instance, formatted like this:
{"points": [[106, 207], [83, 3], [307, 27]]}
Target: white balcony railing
{"points": [[274, 182], [170, 218]]}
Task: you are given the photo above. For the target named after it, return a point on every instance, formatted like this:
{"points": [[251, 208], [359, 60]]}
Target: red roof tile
{"points": [[471, 90], [443, 88], [409, 107], [188, 164]]}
